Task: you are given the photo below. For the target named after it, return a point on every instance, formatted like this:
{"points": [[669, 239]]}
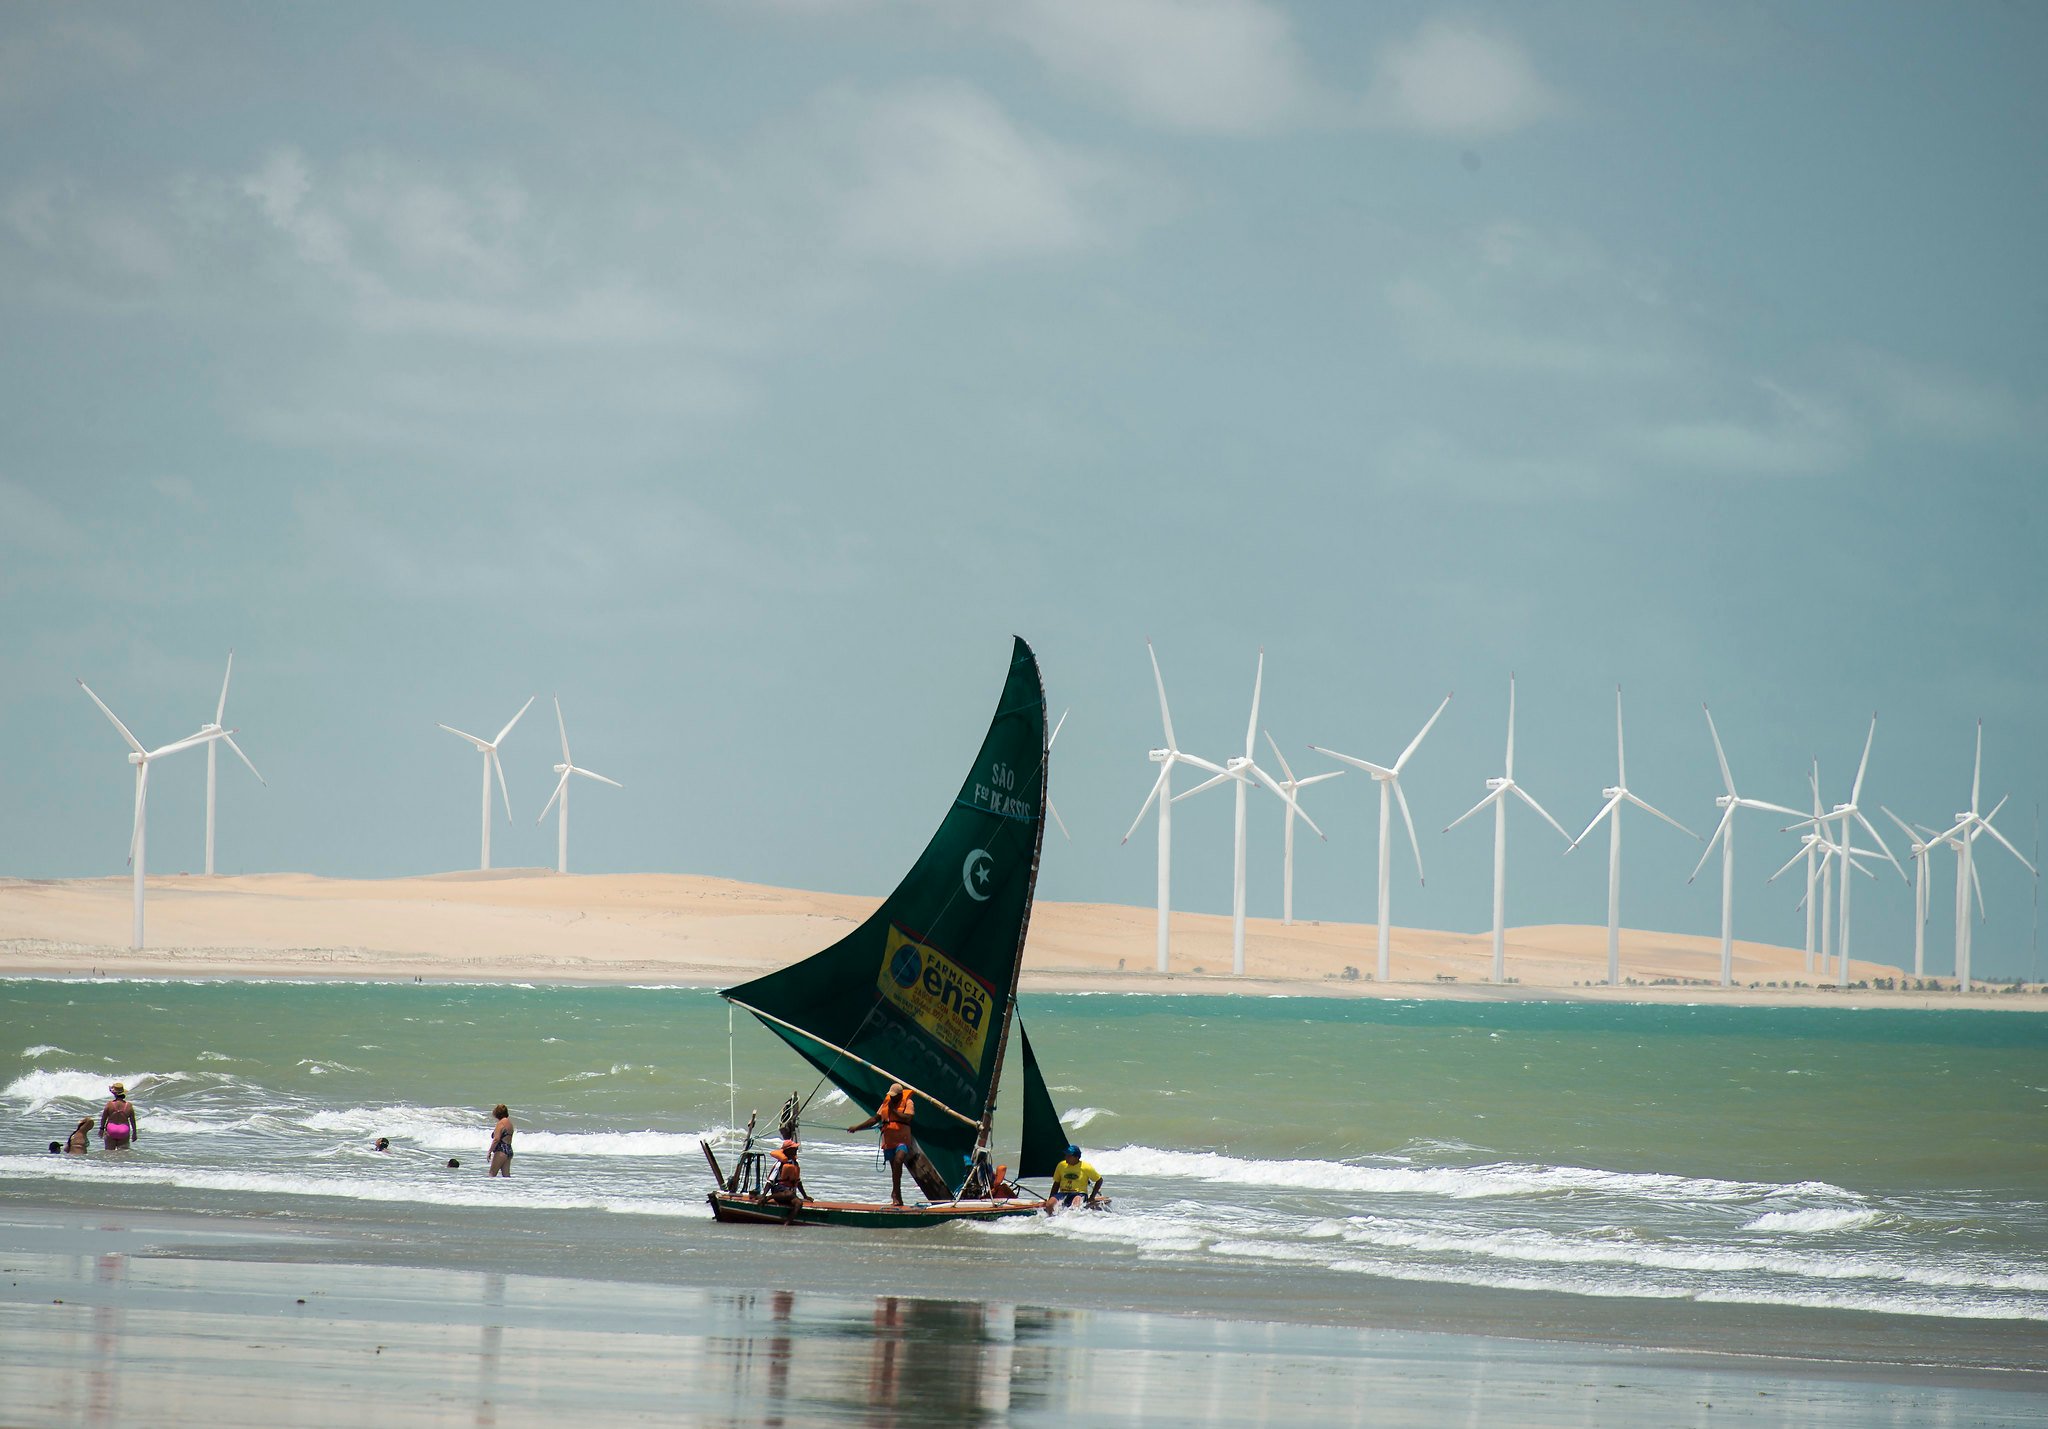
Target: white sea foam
{"points": [[1083, 1115], [1818, 1219], [453, 1129], [1456, 1182], [41, 1049], [616, 1069], [216, 1057], [40, 1088]]}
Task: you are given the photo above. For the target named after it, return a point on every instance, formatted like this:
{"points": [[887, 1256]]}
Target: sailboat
{"points": [[924, 993]]}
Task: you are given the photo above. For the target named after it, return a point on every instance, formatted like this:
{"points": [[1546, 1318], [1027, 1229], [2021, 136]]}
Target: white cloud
{"points": [[1769, 430], [1203, 66], [1458, 81], [942, 175]]}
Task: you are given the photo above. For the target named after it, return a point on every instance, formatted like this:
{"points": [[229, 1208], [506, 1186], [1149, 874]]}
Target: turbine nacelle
{"points": [[1496, 785], [1613, 792], [1159, 756], [1724, 801]]}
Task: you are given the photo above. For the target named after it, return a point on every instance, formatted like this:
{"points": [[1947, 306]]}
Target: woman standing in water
{"points": [[501, 1142], [117, 1120]]}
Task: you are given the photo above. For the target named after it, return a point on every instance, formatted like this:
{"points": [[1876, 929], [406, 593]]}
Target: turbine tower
{"points": [[212, 751], [1724, 835], [1292, 786], [1968, 827], [1388, 777], [489, 749], [1242, 769], [1497, 795], [1162, 793], [1616, 796], [142, 758], [566, 768]]}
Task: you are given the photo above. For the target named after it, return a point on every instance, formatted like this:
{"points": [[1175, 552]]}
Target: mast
{"points": [[988, 1111]]}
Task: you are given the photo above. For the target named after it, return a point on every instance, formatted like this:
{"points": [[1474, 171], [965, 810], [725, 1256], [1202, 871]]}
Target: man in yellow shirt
{"points": [[1074, 1180]]}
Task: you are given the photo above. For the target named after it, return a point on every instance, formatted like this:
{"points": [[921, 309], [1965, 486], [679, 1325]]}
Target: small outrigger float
{"points": [[924, 993]]}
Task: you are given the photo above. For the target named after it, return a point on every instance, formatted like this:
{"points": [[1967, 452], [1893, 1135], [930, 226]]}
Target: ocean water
{"points": [[1829, 1184]]}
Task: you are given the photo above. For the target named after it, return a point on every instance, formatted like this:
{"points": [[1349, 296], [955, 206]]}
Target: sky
{"points": [[747, 373]]}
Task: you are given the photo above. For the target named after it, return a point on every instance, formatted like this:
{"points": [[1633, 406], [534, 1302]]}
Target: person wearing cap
{"points": [[1074, 1180], [117, 1120], [894, 1116], [786, 1183]]}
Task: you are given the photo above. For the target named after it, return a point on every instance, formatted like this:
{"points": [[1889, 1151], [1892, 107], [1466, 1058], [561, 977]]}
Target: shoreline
{"points": [[527, 925]]}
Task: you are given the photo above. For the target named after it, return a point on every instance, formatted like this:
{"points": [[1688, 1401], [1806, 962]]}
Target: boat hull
{"points": [[737, 1208]]}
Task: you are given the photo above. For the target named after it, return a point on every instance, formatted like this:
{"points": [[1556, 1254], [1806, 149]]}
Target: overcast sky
{"points": [[748, 373]]}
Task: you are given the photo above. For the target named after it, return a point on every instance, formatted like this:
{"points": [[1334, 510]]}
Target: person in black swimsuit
{"points": [[501, 1142]]}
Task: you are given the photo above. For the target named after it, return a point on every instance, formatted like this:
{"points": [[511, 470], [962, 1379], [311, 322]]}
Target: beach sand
{"points": [[534, 925]]}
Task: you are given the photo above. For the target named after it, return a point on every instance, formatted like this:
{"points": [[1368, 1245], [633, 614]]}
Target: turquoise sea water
{"points": [[1861, 1185]]}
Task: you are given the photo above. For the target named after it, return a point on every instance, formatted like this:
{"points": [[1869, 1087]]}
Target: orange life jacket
{"points": [[787, 1173], [896, 1111]]}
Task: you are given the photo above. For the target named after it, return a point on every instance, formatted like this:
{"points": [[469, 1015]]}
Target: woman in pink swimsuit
{"points": [[118, 1130]]}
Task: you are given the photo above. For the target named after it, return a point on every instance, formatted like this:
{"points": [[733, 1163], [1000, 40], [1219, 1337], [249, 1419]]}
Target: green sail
{"points": [[1045, 1140], [922, 992]]}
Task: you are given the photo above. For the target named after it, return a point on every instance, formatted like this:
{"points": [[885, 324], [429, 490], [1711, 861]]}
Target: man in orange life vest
{"points": [[894, 1116], [786, 1183]]}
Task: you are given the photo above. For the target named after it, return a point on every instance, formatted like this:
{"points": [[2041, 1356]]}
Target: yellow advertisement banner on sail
{"points": [[937, 994]]}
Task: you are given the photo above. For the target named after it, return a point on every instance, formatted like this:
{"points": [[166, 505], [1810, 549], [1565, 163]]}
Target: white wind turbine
{"points": [[1920, 842], [1616, 796], [1162, 793], [1388, 777], [1830, 855], [566, 768], [212, 751], [1292, 786], [1724, 835], [142, 758], [1497, 795], [1968, 827], [1242, 770], [489, 749], [1848, 815]]}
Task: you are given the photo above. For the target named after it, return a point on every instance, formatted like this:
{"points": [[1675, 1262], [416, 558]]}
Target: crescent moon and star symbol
{"points": [[974, 874]]}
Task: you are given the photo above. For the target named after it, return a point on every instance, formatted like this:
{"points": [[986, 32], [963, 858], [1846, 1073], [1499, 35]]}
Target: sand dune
{"points": [[529, 924]]}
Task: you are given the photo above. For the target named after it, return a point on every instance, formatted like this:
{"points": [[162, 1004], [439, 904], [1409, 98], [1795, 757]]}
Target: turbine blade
{"points": [[560, 785], [1409, 820], [1977, 770], [1530, 800], [1620, 754], [133, 743], [1054, 810], [1510, 770], [1775, 809], [1366, 764], [190, 740], [1146, 807], [480, 744], [1251, 726], [514, 720], [1222, 778], [1719, 754], [1199, 762], [220, 711], [1904, 827], [1651, 809], [1062, 724], [1605, 809], [1985, 824], [1165, 716], [1268, 780], [563, 728], [1318, 778], [499, 765], [1856, 789], [1787, 865], [1285, 768], [1490, 797], [593, 774], [1416, 743], [246, 760], [1719, 830], [1883, 847]]}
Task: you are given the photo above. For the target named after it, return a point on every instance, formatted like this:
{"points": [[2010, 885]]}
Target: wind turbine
{"points": [[1242, 769], [220, 713], [1497, 795], [489, 749], [1162, 792], [1724, 835], [1845, 813], [1919, 844], [1830, 855], [1291, 786], [1388, 777], [1616, 796], [1969, 825], [566, 768], [142, 758]]}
